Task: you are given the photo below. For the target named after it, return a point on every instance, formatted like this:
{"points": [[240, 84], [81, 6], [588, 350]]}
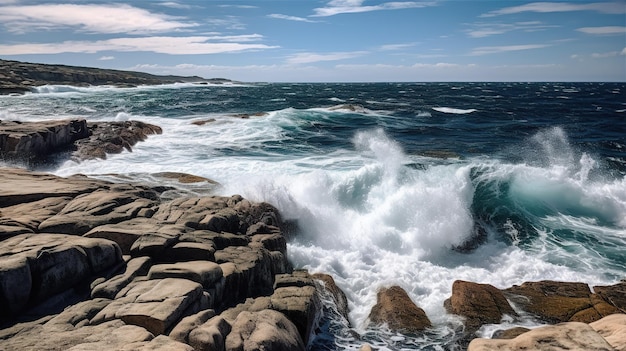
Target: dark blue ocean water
{"points": [[414, 185]]}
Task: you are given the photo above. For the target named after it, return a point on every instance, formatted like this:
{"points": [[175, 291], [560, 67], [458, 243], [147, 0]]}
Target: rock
{"points": [[613, 330], [366, 347], [301, 305], [112, 138], [253, 270], [113, 335], [509, 333], [559, 301], [338, 296], [203, 272], [127, 232], [563, 336], [298, 278], [478, 303], [184, 178], [30, 215], [160, 343], [111, 287], [188, 324], [613, 294], [88, 211], [264, 330], [210, 335], [27, 140], [395, 308], [18, 186], [156, 305], [38, 266]]}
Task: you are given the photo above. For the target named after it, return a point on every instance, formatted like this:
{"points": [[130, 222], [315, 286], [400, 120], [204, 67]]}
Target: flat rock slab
{"points": [[156, 305], [203, 272]]}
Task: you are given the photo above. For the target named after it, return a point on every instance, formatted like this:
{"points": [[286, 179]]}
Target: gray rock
{"points": [[203, 272], [210, 335], [181, 331], [111, 287]]}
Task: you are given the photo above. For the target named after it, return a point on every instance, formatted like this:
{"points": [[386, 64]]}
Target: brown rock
{"points": [[564, 336], [337, 294], [203, 272], [264, 330], [111, 287], [613, 294], [478, 303], [509, 333], [395, 308], [301, 305], [558, 301]]}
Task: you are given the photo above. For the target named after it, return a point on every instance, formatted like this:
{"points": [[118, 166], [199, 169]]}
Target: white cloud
{"points": [[393, 47], [623, 52], [482, 30], [228, 22], [174, 5], [195, 45], [114, 18], [310, 57], [605, 54], [290, 18], [337, 7], [239, 6], [547, 7], [603, 30], [486, 50], [106, 58]]}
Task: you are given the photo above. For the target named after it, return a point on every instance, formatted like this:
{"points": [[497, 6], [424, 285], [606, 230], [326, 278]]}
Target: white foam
{"points": [[456, 111]]}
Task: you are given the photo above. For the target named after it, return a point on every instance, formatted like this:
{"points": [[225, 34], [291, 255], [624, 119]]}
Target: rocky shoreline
{"points": [[88, 264], [21, 77]]}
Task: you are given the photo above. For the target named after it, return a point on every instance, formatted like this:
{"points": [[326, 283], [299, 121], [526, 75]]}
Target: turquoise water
{"points": [[414, 185]]}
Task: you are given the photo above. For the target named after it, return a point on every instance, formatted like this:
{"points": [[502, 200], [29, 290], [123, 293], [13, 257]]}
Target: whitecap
{"points": [[454, 110]]}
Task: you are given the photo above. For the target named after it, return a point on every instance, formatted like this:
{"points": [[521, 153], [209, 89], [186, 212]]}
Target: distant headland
{"points": [[19, 77]]}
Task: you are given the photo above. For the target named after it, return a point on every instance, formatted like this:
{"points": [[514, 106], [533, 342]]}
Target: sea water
{"points": [[415, 185]]}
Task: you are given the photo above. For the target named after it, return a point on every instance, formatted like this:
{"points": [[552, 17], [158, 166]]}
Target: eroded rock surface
{"points": [[395, 308]]}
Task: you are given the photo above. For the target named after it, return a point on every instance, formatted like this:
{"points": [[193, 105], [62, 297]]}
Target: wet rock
{"points": [[564, 336], [613, 294], [184, 178], [112, 138], [396, 309], [478, 303], [339, 297], [557, 302], [509, 333], [27, 140], [613, 330], [263, 330]]}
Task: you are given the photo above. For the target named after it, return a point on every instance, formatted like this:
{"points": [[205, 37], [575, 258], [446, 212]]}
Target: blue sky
{"points": [[326, 40]]}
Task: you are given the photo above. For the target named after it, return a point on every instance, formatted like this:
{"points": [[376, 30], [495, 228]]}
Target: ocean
{"points": [[409, 184]]}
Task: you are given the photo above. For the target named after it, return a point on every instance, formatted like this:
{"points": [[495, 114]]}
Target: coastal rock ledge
{"points": [[87, 264]]}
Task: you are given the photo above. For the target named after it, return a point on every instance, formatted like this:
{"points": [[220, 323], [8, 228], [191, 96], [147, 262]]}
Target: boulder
{"points": [[556, 302], [112, 138], [509, 333], [613, 330], [301, 305], [263, 330], [395, 308], [478, 303], [253, 270], [563, 336]]}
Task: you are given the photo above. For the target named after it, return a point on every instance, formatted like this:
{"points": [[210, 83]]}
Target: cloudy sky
{"points": [[322, 40]]}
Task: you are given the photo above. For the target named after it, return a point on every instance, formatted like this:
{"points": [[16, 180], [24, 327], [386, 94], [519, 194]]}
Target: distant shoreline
{"points": [[21, 77]]}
